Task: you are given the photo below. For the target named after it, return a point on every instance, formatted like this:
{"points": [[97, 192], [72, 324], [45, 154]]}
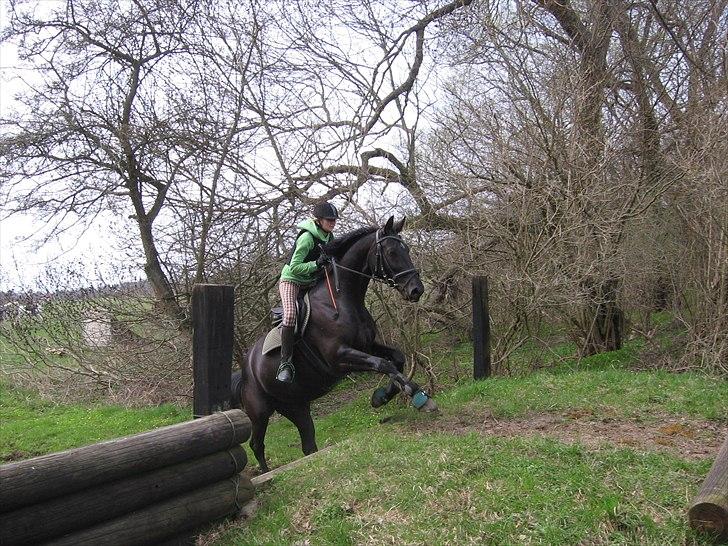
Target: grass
{"points": [[392, 485], [31, 426], [391, 479], [619, 393], [384, 487], [616, 393]]}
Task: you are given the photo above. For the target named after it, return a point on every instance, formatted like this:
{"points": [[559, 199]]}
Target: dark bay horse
{"points": [[337, 341]]}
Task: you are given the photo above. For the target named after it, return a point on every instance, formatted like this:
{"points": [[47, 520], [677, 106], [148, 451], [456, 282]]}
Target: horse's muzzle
{"points": [[413, 290]]}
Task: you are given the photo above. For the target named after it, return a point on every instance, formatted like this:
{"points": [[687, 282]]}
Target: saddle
{"points": [[303, 313]]}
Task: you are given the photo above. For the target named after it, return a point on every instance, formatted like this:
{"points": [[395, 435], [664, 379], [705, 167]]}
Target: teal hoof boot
{"points": [[419, 399], [286, 372], [379, 397]]}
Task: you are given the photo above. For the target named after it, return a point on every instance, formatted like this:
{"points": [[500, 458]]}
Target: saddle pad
{"points": [[273, 338]]}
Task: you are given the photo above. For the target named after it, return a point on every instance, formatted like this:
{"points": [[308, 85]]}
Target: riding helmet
{"points": [[325, 210]]}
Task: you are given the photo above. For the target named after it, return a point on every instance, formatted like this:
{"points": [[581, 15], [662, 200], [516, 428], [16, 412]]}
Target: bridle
{"points": [[380, 272], [383, 271]]}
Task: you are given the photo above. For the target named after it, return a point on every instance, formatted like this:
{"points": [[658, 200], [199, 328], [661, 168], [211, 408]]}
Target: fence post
{"points": [[709, 511], [481, 329], [212, 347]]}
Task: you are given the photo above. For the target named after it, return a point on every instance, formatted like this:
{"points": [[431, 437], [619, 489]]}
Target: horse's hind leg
{"points": [[259, 412], [300, 416], [236, 390]]}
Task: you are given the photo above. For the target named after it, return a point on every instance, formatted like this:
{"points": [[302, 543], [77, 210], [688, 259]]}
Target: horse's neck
{"points": [[355, 285]]}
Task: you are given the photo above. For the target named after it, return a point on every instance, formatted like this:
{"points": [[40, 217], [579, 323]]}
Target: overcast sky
{"points": [[22, 260]]}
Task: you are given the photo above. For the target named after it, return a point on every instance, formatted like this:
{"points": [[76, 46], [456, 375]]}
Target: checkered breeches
{"points": [[289, 294]]}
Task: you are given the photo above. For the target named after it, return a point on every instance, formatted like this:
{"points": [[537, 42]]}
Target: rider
{"points": [[306, 260]]}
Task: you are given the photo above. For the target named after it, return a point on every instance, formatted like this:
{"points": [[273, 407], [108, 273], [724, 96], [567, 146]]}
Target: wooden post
{"points": [[481, 329], [212, 347], [709, 511]]}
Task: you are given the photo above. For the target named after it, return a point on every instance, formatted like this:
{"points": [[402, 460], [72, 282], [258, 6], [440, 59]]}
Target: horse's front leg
{"points": [[384, 394], [353, 360]]}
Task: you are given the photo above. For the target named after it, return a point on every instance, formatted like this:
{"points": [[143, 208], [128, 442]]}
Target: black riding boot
{"points": [[286, 371]]}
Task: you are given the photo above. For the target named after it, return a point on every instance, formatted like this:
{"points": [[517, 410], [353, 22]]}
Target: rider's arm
{"points": [[297, 266]]}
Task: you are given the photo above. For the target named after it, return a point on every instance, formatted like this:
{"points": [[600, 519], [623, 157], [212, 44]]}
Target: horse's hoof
{"points": [[429, 406], [423, 402], [379, 397]]}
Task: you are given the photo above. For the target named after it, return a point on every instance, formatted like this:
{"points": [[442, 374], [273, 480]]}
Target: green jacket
{"points": [[302, 268]]}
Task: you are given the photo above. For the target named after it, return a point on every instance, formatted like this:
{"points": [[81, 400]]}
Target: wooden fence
{"points": [[481, 329], [134, 490]]}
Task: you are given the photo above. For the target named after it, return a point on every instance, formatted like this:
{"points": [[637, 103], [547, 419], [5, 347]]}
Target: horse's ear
{"points": [[399, 225], [388, 229]]}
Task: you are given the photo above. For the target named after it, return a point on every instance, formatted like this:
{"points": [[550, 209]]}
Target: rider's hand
{"points": [[323, 260]]}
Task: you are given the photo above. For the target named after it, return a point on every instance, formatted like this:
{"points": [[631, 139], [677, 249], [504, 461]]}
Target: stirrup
{"points": [[286, 372]]}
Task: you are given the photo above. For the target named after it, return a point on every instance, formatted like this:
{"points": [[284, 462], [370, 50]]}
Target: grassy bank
{"points": [[386, 487], [399, 477]]}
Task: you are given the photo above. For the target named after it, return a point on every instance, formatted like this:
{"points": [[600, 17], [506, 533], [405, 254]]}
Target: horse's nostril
{"points": [[416, 292]]}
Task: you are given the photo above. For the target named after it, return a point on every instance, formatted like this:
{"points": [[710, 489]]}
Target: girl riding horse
{"points": [[340, 338]]}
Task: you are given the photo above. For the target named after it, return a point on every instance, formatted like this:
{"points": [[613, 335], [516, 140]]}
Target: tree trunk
{"points": [[38, 522], [167, 519], [602, 320]]}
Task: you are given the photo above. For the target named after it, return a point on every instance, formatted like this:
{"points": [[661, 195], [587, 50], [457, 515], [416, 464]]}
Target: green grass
{"points": [[620, 393], [390, 478], [33, 427], [389, 484], [386, 487], [615, 393]]}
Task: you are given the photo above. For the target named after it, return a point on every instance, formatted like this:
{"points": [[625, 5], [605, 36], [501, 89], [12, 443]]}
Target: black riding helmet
{"points": [[326, 211]]}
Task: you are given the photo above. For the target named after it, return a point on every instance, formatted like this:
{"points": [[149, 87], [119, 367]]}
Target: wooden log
{"points": [[481, 329], [168, 519], [263, 479], [42, 478], [35, 523], [709, 510], [212, 347], [185, 539]]}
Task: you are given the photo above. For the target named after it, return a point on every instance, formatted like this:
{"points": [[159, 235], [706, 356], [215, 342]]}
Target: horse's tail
{"points": [[236, 390], [236, 384]]}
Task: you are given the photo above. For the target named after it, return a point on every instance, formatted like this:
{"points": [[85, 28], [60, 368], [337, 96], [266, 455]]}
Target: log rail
{"points": [[137, 489]]}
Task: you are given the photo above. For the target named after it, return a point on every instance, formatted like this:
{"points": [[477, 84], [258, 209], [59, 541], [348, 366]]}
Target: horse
{"points": [[339, 338]]}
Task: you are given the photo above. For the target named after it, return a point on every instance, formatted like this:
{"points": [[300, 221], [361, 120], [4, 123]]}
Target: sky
{"points": [[19, 262], [16, 260]]}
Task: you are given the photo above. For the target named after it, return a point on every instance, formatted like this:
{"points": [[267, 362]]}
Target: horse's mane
{"points": [[339, 246]]}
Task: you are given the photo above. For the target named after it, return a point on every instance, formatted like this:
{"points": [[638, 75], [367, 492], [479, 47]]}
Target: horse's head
{"points": [[391, 261]]}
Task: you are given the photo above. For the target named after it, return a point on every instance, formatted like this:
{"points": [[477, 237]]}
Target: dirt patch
{"points": [[691, 439], [17, 456]]}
